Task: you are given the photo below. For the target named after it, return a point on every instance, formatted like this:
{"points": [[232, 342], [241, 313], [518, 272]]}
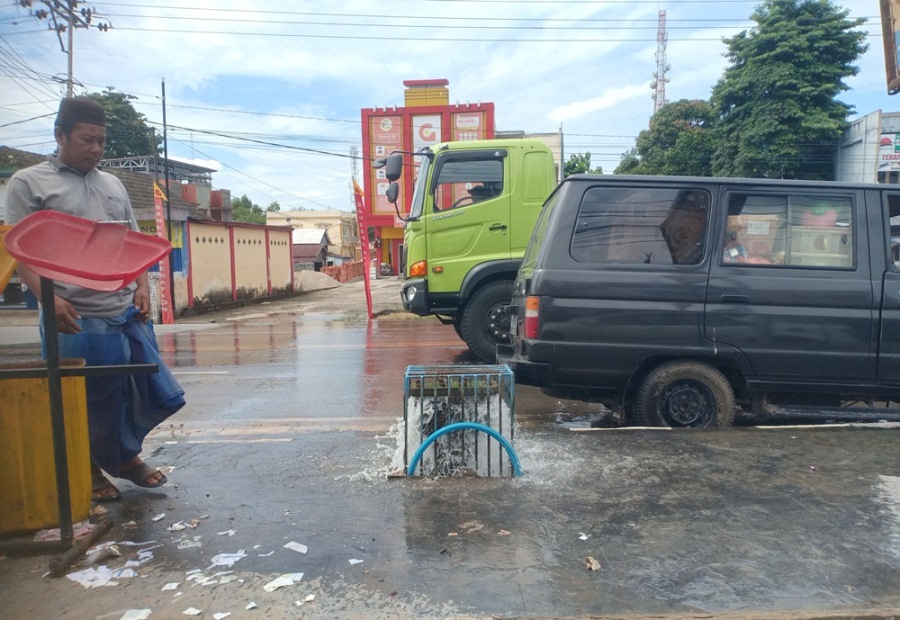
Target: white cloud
{"points": [[610, 99]]}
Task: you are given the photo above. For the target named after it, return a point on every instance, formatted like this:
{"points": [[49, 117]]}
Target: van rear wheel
{"points": [[685, 394], [483, 326]]}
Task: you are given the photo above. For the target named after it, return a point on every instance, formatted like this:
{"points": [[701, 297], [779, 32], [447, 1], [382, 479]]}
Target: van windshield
{"points": [[417, 205]]}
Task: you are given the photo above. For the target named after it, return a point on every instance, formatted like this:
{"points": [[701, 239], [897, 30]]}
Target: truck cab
{"points": [[473, 208]]}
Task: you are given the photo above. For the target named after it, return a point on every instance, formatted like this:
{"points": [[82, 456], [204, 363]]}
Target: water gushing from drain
{"points": [[438, 396]]}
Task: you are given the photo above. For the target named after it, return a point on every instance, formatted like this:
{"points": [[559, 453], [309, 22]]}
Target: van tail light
{"points": [[532, 317], [418, 270]]}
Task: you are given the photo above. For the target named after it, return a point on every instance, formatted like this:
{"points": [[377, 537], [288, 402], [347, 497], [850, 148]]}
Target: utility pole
{"points": [[662, 67], [63, 17]]}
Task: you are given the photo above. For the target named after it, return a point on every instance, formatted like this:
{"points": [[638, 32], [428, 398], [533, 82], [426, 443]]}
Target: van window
{"points": [[463, 183], [636, 225], [539, 234], [788, 230]]}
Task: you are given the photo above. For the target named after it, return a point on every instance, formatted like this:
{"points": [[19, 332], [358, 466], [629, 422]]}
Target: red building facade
{"points": [[426, 119]]}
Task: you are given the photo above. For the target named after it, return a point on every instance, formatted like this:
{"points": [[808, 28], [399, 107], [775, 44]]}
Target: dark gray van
{"points": [[677, 300]]}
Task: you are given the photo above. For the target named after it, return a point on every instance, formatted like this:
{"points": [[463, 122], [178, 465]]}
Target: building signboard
{"points": [[386, 137], [889, 152]]}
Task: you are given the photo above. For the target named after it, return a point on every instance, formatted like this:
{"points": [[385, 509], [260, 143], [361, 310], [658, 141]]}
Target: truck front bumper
{"points": [[414, 296]]}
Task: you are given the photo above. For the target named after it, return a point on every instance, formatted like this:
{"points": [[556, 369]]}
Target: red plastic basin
{"points": [[102, 256]]}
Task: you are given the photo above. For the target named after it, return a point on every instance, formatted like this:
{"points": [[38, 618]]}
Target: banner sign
{"points": [[167, 316], [364, 242]]}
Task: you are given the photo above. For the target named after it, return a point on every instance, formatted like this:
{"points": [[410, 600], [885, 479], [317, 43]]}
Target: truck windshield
{"points": [[417, 205]]}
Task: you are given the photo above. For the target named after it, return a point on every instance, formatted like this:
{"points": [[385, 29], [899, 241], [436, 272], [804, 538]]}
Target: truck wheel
{"points": [[685, 394], [482, 326], [457, 327]]}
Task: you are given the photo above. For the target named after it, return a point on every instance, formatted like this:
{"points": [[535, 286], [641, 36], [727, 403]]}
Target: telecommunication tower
{"points": [[659, 77]]}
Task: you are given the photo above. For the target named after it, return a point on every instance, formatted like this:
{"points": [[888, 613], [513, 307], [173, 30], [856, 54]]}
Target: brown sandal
{"points": [[139, 473], [99, 482]]}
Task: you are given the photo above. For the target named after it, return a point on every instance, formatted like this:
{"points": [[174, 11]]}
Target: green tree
{"points": [[580, 164], [679, 141], [629, 163], [778, 116], [273, 206], [243, 210], [127, 132]]}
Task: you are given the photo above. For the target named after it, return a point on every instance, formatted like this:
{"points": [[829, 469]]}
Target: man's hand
{"points": [[142, 302], [66, 316]]}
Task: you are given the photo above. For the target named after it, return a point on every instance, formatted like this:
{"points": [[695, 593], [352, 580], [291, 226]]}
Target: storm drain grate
{"points": [[436, 397]]}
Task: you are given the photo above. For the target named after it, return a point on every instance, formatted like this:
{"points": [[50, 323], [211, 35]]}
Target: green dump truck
{"points": [[473, 208]]}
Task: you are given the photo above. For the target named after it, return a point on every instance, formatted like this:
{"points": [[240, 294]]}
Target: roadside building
{"points": [[869, 150], [341, 227], [309, 248]]}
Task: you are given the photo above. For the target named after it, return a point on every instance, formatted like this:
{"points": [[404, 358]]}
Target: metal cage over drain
{"points": [[438, 396]]}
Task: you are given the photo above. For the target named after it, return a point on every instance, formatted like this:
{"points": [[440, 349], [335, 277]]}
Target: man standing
{"points": [[102, 327]]}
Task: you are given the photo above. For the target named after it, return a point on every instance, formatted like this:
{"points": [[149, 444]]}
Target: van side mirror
{"points": [[393, 191], [393, 166]]}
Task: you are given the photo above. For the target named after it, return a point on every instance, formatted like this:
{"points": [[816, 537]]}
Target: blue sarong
{"points": [[122, 408]]}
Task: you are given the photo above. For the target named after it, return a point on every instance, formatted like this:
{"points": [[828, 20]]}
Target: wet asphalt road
{"points": [[289, 436]]}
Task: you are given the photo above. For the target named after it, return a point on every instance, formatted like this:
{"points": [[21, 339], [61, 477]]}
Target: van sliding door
{"points": [[791, 286]]}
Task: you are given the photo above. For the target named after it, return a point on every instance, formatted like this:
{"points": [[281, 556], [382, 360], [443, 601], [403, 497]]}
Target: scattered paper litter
{"points": [[591, 564], [288, 579], [295, 546], [221, 615], [226, 533], [98, 553], [583, 536], [136, 614], [186, 543], [471, 526], [265, 555], [192, 611], [227, 559], [158, 517], [173, 585], [80, 529], [355, 562], [93, 577], [123, 573], [308, 599], [251, 605], [177, 526]]}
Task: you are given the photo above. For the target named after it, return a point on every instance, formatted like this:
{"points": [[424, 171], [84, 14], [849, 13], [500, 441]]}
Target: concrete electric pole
{"points": [[63, 17]]}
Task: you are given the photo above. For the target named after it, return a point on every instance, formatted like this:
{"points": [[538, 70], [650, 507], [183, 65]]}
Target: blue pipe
{"points": [[474, 426]]}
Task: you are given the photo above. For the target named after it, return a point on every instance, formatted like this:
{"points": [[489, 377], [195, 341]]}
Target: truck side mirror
{"points": [[393, 166], [393, 191]]}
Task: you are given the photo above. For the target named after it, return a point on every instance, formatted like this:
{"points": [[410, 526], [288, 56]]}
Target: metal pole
{"points": [[57, 415], [168, 202], [70, 89]]}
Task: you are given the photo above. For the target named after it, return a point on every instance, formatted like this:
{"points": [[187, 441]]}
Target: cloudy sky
{"points": [[271, 96]]}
